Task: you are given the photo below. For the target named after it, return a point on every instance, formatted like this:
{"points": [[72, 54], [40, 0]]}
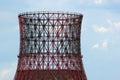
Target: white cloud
{"points": [[114, 24], [4, 73], [98, 1], [117, 24], [100, 29], [95, 46], [104, 44], [7, 72]]}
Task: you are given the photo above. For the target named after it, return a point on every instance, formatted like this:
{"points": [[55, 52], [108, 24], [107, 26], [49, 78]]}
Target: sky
{"points": [[100, 40]]}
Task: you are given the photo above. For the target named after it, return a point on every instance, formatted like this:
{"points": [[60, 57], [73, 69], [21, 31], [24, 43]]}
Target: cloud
{"points": [[7, 73], [4, 73], [97, 1], [115, 24], [101, 29], [95, 46], [104, 44]]}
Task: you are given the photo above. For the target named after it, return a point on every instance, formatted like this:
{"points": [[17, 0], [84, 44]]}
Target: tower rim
{"points": [[50, 12]]}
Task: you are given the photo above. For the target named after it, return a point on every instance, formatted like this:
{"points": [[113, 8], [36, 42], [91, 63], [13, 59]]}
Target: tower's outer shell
{"points": [[50, 46]]}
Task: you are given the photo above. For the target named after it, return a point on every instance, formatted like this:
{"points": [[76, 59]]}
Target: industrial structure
{"points": [[50, 46]]}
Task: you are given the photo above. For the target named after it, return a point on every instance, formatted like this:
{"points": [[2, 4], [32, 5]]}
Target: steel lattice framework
{"points": [[50, 46]]}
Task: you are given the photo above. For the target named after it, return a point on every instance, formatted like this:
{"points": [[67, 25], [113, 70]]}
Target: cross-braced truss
{"points": [[50, 47]]}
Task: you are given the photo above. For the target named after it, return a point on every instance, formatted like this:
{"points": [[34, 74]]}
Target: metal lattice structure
{"points": [[50, 46]]}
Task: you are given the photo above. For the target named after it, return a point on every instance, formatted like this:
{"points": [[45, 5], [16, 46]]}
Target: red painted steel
{"points": [[50, 47]]}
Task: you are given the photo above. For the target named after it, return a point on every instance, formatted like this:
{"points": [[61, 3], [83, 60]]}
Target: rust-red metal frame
{"points": [[50, 46]]}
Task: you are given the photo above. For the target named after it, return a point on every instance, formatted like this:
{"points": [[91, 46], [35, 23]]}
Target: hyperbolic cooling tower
{"points": [[50, 46]]}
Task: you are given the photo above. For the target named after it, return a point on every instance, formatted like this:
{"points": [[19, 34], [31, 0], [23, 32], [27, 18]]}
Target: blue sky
{"points": [[100, 34]]}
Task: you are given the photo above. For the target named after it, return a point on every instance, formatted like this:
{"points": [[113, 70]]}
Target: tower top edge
{"points": [[50, 12]]}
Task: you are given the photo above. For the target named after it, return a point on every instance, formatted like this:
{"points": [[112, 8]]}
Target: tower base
{"points": [[49, 75]]}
